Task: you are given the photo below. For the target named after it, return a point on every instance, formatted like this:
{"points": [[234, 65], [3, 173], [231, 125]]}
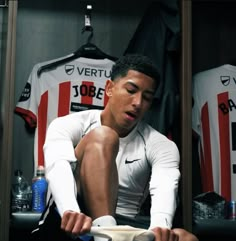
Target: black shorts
{"points": [[50, 229]]}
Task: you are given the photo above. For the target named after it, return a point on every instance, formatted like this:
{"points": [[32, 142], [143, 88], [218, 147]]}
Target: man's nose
{"points": [[137, 100]]}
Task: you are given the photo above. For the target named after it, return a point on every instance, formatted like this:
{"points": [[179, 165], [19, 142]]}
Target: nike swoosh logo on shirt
{"points": [[128, 162]]}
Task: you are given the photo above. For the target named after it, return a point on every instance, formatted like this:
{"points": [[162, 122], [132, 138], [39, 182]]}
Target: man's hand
{"points": [[75, 223], [164, 234]]}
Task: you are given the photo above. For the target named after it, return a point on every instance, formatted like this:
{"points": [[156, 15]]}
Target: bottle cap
{"points": [[40, 170]]}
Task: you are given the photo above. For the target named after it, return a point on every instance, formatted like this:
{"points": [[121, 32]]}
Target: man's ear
{"points": [[108, 88]]}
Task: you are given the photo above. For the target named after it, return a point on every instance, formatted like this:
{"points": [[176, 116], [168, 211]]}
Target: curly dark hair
{"points": [[136, 62]]}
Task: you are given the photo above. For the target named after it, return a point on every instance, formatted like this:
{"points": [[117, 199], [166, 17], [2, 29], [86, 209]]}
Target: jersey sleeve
{"points": [[164, 183], [27, 105]]}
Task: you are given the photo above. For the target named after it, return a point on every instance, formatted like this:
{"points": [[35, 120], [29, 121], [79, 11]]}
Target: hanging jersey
{"points": [[163, 16], [214, 120], [75, 86]]}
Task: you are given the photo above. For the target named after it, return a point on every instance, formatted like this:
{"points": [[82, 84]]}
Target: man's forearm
{"points": [[62, 185]]}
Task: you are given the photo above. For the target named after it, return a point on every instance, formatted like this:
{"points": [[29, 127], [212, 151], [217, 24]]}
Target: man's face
{"points": [[129, 98]]}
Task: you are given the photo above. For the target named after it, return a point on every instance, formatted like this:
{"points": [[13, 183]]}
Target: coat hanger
{"points": [[87, 50]]}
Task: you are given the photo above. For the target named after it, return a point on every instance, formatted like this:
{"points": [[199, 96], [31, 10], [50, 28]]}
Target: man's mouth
{"points": [[132, 115]]}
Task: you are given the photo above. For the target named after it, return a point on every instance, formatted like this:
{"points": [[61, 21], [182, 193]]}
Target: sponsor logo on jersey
{"points": [[225, 80], [131, 161], [92, 72], [25, 95], [76, 107], [69, 69]]}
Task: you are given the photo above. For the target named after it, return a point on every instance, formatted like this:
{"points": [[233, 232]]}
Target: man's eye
{"points": [[131, 91]]}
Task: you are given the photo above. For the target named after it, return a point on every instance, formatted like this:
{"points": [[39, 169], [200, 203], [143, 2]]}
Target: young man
{"points": [[100, 165]]}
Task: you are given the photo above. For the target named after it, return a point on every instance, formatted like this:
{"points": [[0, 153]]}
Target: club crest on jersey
{"points": [[225, 80], [69, 69], [25, 95]]}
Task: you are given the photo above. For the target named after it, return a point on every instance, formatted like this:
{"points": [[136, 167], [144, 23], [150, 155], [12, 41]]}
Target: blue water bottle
{"points": [[39, 190]]}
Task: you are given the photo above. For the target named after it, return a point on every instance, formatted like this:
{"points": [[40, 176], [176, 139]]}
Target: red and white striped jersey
{"points": [[214, 120], [75, 86]]}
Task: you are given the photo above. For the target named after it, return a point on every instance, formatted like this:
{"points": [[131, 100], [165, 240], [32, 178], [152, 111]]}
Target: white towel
{"points": [[122, 233]]}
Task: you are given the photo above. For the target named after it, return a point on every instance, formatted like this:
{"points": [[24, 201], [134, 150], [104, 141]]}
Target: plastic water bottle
{"points": [[20, 193], [39, 190]]}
